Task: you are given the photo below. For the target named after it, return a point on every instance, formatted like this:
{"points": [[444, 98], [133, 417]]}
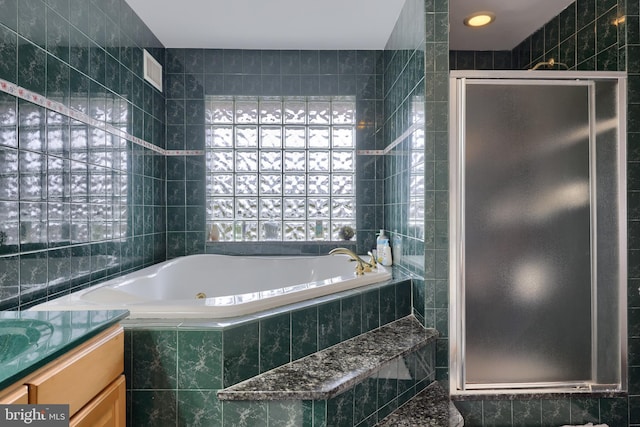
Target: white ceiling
{"points": [[329, 24], [515, 21]]}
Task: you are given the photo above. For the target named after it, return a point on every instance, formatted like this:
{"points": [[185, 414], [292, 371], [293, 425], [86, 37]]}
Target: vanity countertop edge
{"points": [[66, 330]]}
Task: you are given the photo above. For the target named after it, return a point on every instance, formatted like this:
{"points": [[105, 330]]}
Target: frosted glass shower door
{"points": [[527, 226]]}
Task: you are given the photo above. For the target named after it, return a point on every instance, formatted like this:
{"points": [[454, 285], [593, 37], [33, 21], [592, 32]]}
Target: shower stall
{"points": [[538, 263]]}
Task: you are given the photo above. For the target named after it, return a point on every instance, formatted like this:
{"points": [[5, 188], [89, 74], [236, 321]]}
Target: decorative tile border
{"points": [[395, 142], [27, 95]]}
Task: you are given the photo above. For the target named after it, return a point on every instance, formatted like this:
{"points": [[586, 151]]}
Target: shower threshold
{"points": [[536, 389]]}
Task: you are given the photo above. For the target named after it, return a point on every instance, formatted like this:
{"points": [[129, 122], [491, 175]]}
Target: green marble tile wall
{"points": [[192, 74], [174, 372], [585, 37], [416, 167], [78, 204]]}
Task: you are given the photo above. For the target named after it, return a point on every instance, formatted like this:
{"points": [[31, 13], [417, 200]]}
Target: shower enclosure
{"points": [[537, 231]]}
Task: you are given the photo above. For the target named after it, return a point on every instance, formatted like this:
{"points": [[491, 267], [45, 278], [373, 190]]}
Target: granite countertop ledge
{"points": [[429, 408], [331, 371]]}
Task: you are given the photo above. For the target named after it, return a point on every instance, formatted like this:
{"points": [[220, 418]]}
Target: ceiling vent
{"points": [[152, 70]]}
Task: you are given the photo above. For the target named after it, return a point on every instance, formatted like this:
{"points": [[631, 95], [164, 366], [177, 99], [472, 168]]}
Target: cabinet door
{"points": [[20, 395], [79, 376], [108, 409]]}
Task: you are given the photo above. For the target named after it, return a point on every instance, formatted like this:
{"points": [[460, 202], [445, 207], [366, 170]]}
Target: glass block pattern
{"points": [[280, 168], [78, 202]]}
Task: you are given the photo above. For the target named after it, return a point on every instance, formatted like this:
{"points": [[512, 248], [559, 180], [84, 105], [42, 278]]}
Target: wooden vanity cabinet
{"points": [[16, 395], [82, 374], [89, 378], [108, 409]]}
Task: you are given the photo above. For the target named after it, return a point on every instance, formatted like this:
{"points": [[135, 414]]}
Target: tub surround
{"points": [[329, 372], [177, 366], [60, 331], [210, 286]]}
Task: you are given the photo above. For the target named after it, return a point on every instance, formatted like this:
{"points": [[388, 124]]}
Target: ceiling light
{"points": [[479, 19]]}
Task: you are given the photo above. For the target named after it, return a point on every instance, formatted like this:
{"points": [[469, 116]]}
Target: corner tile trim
{"points": [[27, 95], [395, 142]]}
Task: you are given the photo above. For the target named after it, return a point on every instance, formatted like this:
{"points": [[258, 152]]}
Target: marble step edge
{"points": [[329, 372], [430, 407]]}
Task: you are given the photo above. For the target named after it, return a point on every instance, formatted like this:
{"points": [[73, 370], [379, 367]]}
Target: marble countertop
{"points": [[429, 408], [333, 370], [31, 339]]}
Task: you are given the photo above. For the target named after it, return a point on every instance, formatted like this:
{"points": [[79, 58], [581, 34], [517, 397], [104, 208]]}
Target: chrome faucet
{"points": [[361, 266]]}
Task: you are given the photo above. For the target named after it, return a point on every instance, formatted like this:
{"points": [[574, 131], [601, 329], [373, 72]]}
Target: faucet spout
{"points": [[361, 265]]}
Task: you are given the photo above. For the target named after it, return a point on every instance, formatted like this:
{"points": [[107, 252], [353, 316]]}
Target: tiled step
{"points": [[429, 408], [329, 372]]}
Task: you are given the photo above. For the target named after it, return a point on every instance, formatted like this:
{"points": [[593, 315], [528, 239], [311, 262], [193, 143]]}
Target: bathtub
{"points": [[219, 286]]}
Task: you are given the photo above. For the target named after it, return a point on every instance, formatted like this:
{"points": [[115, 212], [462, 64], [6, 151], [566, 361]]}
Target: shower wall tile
{"points": [[615, 411], [634, 410], [527, 412], [585, 410], [471, 411], [546, 412], [76, 206], [586, 12], [496, 412], [585, 36]]}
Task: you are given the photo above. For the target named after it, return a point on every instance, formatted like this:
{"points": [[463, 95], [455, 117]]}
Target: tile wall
{"points": [[78, 203], [416, 169], [192, 74], [481, 60], [88, 55], [174, 371], [585, 38]]}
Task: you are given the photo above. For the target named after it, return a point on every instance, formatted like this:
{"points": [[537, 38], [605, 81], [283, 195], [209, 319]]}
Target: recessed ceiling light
{"points": [[479, 19]]}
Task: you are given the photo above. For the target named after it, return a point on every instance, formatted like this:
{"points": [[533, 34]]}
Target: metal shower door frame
{"points": [[458, 82]]}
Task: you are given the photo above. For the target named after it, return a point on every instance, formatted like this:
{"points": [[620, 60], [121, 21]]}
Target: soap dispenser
{"points": [[386, 255], [380, 241]]}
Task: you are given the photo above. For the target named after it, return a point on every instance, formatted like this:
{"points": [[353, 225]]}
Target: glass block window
{"points": [[280, 168]]}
